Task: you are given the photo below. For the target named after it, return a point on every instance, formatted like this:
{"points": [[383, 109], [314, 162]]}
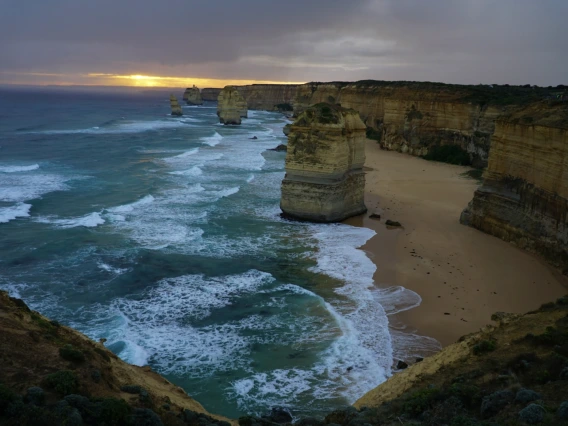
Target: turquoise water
{"points": [[163, 236]]}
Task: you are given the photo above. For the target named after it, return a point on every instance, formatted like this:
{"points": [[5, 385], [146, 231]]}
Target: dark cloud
{"points": [[466, 41]]}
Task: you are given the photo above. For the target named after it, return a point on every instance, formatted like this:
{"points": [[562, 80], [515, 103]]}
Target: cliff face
{"points": [[524, 197], [268, 96], [324, 179], [192, 96], [231, 106], [176, 109], [210, 94]]}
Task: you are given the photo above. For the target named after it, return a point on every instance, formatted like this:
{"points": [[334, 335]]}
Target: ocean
{"points": [[163, 235]]}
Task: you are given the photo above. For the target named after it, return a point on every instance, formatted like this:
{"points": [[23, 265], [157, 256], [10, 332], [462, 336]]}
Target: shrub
{"points": [[452, 154], [484, 346], [64, 382], [420, 401], [374, 134], [71, 353]]}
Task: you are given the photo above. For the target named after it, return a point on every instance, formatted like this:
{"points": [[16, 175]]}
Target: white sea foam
{"points": [[121, 127], [126, 208], [109, 268], [194, 171], [16, 187], [91, 220], [12, 212], [212, 140], [14, 169]]}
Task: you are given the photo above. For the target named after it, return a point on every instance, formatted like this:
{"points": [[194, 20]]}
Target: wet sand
{"points": [[462, 275]]}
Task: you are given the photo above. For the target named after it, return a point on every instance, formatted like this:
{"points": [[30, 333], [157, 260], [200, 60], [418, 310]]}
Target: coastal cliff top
{"points": [[56, 374], [324, 113]]}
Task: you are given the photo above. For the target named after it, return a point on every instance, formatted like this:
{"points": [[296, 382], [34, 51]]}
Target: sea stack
{"points": [[324, 179], [176, 109], [231, 106], [192, 96]]}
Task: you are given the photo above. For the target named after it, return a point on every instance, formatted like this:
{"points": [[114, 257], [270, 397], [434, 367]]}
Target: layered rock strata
{"points": [[192, 96], [210, 94], [176, 109], [524, 196], [410, 117], [231, 106], [324, 179]]}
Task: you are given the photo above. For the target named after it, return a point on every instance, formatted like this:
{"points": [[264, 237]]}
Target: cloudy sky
{"points": [[119, 42]]}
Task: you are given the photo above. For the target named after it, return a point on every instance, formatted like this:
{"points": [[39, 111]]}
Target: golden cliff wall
{"points": [[324, 179], [524, 196]]}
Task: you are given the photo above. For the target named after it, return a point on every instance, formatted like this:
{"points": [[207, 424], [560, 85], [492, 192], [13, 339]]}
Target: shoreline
{"points": [[462, 275]]}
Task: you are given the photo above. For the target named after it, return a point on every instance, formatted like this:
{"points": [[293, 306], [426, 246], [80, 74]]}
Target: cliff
{"points": [[54, 375], [176, 109], [419, 118], [231, 106], [524, 196], [324, 179], [192, 96], [210, 94]]}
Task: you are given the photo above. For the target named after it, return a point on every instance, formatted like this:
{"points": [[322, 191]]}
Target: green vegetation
{"points": [[452, 154], [285, 107], [331, 99], [64, 382], [414, 114], [71, 353], [484, 346], [476, 174], [373, 134]]}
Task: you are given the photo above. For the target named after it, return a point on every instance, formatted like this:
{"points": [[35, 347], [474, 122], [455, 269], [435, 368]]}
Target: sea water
{"points": [[163, 235]]}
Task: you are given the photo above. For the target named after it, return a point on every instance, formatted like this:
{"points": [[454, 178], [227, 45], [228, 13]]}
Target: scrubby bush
{"points": [[64, 382], [71, 353], [484, 346]]}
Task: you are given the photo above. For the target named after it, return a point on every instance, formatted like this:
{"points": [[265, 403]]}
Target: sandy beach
{"points": [[462, 275]]}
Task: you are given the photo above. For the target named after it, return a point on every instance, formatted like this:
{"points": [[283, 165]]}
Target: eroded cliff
{"points": [[192, 96], [524, 196], [176, 109], [210, 94], [231, 106], [324, 179]]}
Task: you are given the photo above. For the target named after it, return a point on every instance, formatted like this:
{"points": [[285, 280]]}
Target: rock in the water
{"points": [[533, 414], [401, 365], [375, 216], [192, 96], [286, 129], [393, 223], [324, 179], [280, 147], [176, 109], [254, 138], [231, 106], [279, 415]]}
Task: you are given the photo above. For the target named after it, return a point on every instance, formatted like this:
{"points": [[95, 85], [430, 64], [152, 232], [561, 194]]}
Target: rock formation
{"points": [[192, 96], [324, 179], [410, 117], [176, 109], [524, 196], [231, 106], [210, 94]]}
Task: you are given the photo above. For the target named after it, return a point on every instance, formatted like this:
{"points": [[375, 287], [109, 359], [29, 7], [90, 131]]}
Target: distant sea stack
{"points": [[524, 196], [231, 106], [324, 179], [192, 96], [176, 109]]}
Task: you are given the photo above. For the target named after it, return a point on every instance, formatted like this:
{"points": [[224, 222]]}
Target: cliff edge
{"points": [[231, 106], [54, 375], [324, 179]]}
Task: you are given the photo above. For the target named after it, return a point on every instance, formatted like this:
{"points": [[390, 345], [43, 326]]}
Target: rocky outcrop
{"points": [[176, 109], [324, 179], [231, 106], [410, 117], [524, 196], [192, 96], [210, 94]]}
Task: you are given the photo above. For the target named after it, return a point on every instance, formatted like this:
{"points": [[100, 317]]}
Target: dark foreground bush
{"points": [[451, 154]]}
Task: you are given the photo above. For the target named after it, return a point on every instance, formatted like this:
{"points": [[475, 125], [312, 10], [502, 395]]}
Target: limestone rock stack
{"points": [[524, 196], [176, 109], [324, 179], [231, 106], [192, 96]]}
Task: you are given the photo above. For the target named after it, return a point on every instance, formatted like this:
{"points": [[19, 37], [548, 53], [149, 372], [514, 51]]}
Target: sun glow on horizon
{"points": [[128, 80]]}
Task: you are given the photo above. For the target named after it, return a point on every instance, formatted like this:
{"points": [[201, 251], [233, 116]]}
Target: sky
{"points": [[210, 43]]}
